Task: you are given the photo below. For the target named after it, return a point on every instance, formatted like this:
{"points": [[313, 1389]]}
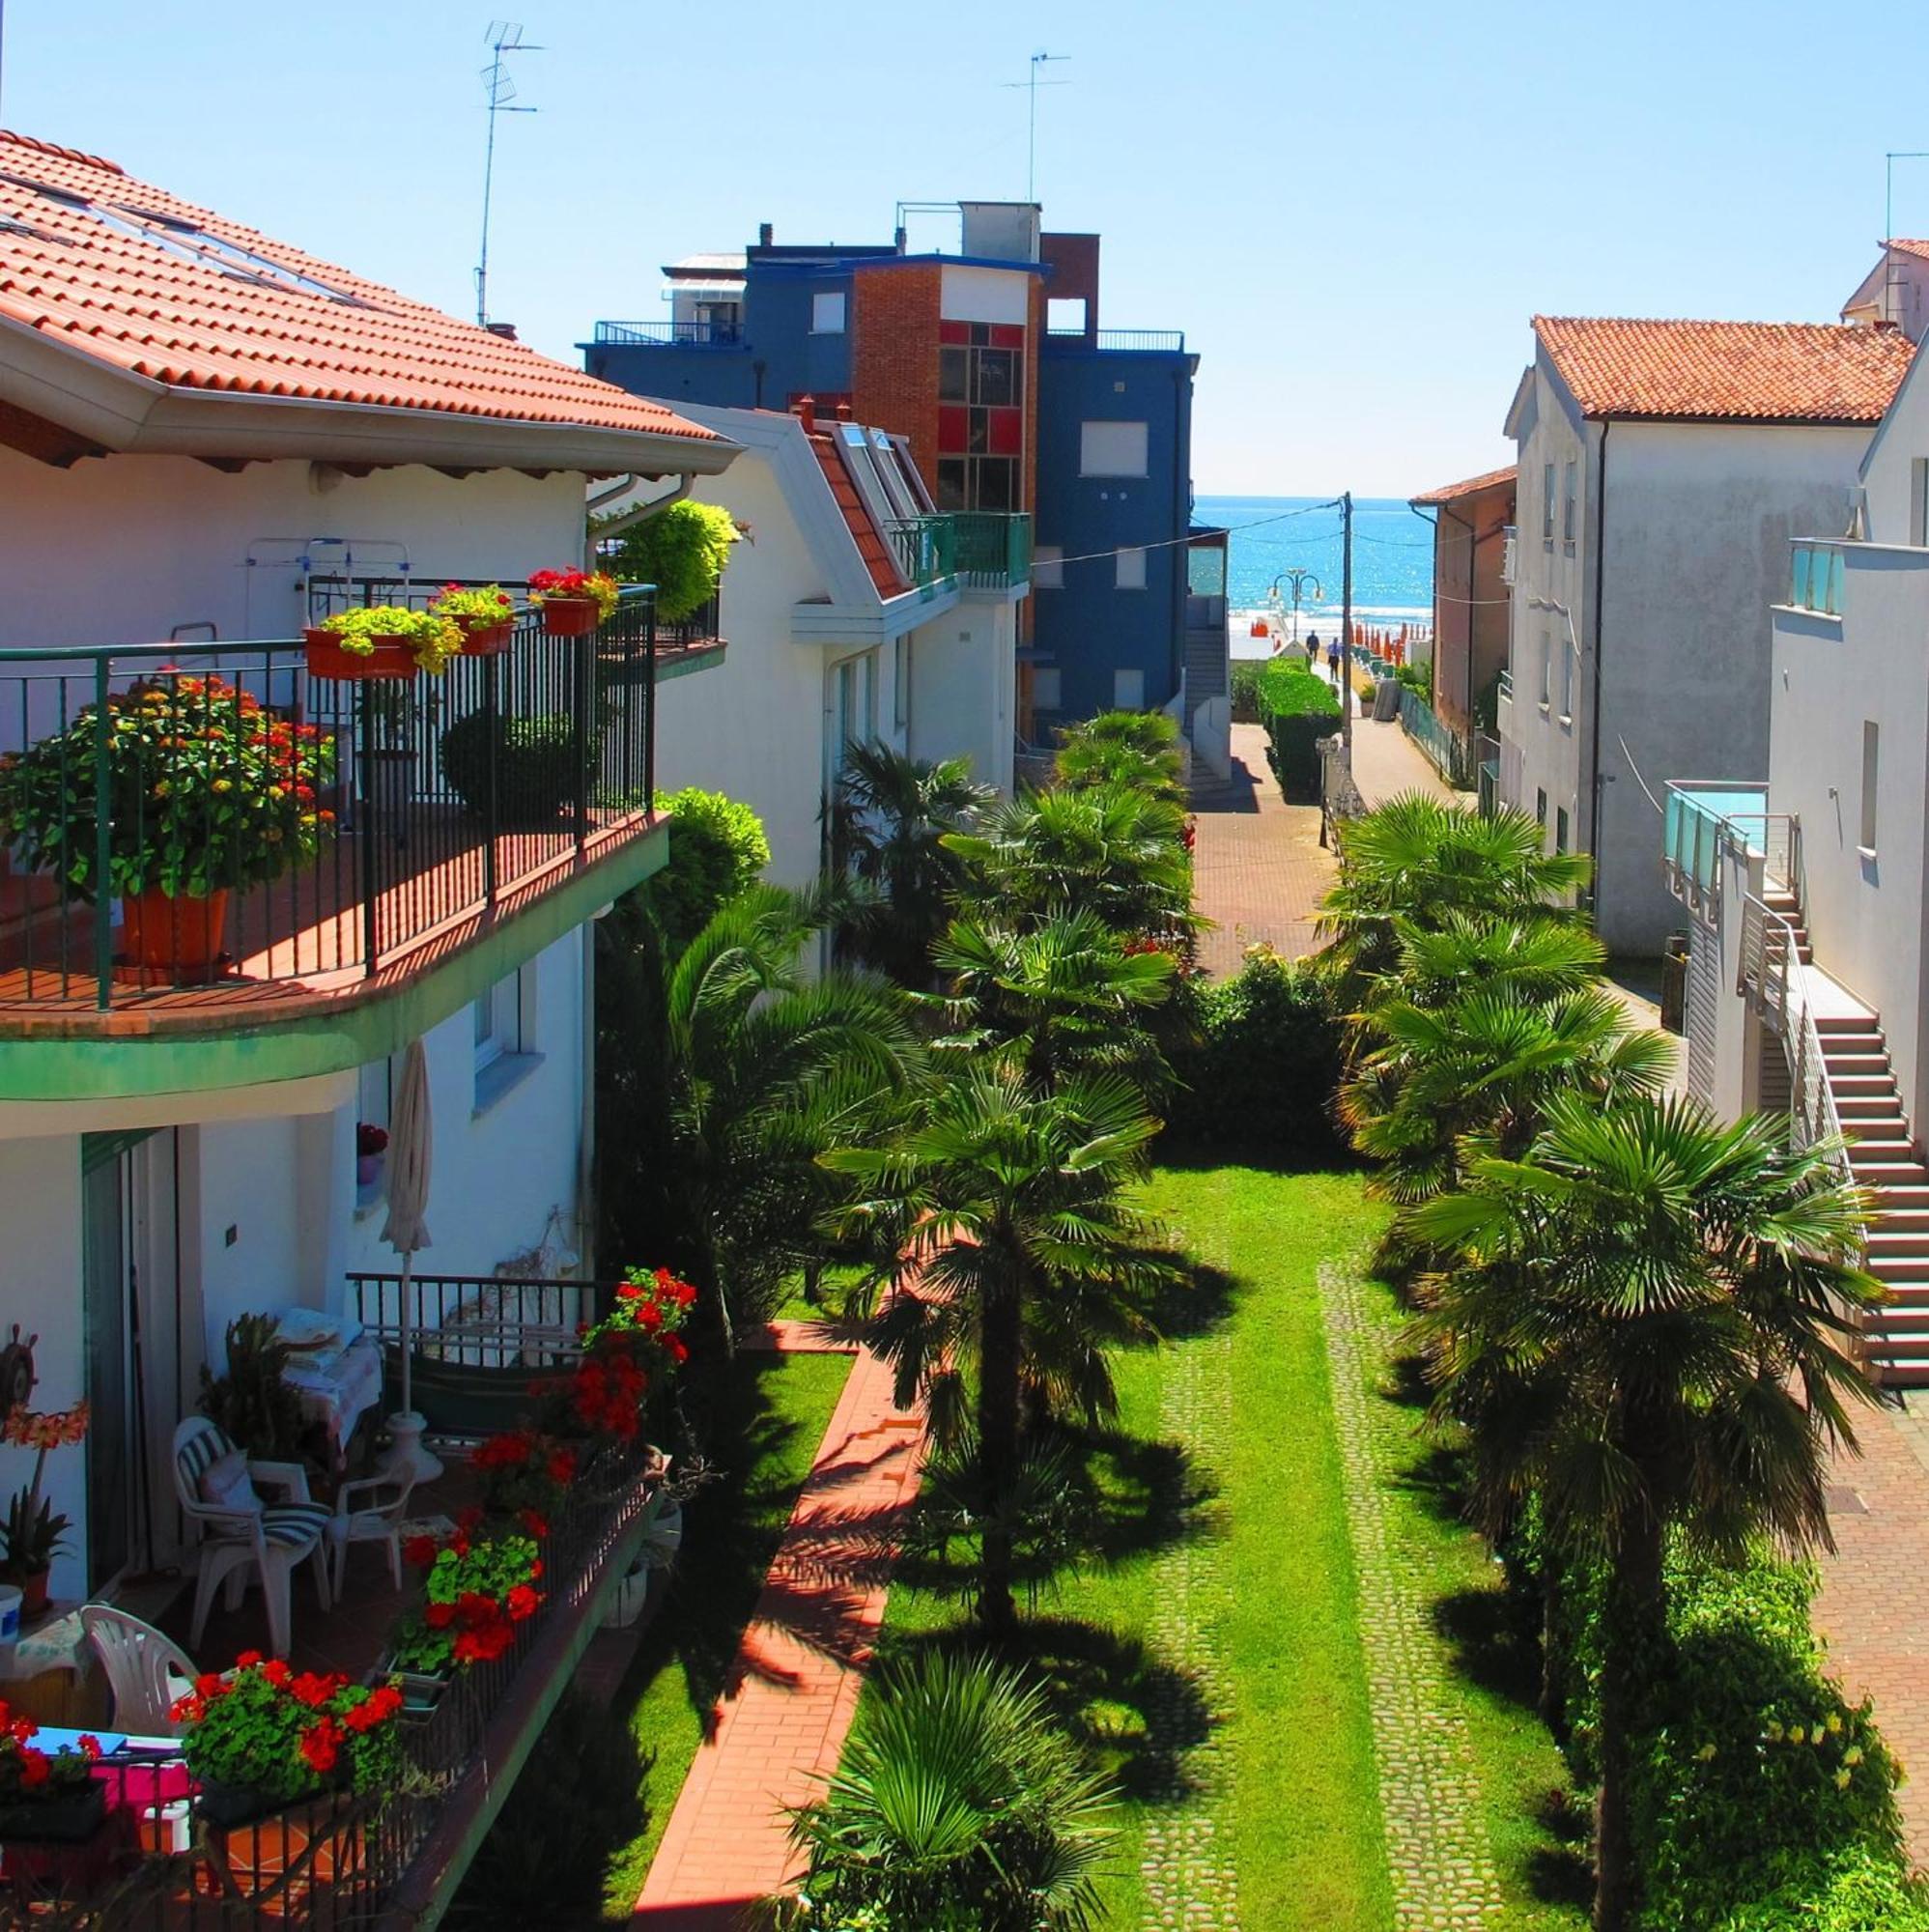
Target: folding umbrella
{"points": [[411, 1142]]}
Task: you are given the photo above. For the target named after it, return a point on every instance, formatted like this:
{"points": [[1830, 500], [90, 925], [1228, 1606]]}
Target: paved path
{"points": [[1870, 1608], [780, 1723], [1258, 871], [1387, 762]]}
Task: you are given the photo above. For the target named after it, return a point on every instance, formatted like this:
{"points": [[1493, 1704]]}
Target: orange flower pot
{"points": [[571, 616], [174, 939], [393, 657], [481, 638]]}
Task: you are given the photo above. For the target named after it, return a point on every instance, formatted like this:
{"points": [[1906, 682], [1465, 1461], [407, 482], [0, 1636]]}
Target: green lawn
{"points": [[761, 1424]]}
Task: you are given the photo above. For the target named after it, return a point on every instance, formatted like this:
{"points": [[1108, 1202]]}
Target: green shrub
{"points": [[717, 847], [1416, 679], [1260, 1063], [682, 550], [1859, 1892], [1245, 676], [1299, 708], [539, 766]]}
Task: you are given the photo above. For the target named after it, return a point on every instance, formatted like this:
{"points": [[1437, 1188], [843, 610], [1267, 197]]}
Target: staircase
{"points": [[1205, 652], [1883, 1157]]}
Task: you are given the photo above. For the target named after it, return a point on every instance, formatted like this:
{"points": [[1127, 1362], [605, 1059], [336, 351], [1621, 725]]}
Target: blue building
{"points": [[991, 360]]}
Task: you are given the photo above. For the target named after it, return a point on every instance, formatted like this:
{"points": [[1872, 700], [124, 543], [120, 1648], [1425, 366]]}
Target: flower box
{"points": [[485, 640], [315, 1842], [391, 657], [571, 616], [69, 1818], [174, 937]]}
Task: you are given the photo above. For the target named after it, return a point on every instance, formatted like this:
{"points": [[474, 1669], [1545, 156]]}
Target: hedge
{"points": [[1299, 708], [717, 847], [1258, 1062]]}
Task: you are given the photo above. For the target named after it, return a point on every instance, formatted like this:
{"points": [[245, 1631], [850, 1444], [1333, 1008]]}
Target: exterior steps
{"points": [[1206, 674]]}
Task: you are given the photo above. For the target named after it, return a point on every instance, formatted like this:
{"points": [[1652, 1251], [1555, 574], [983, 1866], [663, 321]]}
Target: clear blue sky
{"points": [[1352, 210]]}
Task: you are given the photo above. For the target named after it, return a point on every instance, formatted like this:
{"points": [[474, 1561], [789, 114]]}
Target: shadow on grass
{"points": [[1135, 1713]]}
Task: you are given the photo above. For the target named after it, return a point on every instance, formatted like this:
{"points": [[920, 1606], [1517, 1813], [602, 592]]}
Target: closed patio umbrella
{"points": [[410, 1144]]}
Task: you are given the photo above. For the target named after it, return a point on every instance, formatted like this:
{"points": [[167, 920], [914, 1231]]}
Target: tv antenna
{"points": [[1030, 85], [498, 86]]}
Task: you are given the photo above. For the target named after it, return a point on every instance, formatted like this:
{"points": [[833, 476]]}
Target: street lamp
{"points": [[1298, 579]]}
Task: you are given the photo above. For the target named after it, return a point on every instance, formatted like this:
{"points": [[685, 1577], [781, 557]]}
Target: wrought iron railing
{"points": [[435, 800], [926, 548], [483, 1321], [701, 626], [159, 1862], [1165, 340], [670, 335], [992, 551], [1815, 577]]}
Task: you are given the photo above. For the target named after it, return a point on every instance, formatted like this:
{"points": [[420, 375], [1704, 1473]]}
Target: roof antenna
{"points": [[1032, 84], [504, 37]]}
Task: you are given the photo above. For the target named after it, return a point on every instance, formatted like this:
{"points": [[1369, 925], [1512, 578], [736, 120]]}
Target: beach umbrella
{"points": [[411, 1145]]}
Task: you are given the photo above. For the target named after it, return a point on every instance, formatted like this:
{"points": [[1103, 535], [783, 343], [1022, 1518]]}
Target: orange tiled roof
{"points": [[139, 292], [1727, 371], [1904, 246], [871, 546], [1447, 492]]}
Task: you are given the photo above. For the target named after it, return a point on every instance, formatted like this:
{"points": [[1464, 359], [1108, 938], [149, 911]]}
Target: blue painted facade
{"points": [[1089, 629]]}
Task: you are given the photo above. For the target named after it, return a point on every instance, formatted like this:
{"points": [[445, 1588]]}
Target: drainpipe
{"points": [[1594, 752], [629, 519]]}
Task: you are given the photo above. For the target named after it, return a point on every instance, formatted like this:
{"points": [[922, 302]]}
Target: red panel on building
{"points": [[954, 331], [1007, 334], [953, 427], [1005, 436]]}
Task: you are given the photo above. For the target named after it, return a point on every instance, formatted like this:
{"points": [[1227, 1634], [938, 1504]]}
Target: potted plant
{"points": [[48, 1797], [206, 790], [384, 642], [634, 1347], [251, 1402], [32, 1535], [371, 1144], [524, 1475], [486, 617], [478, 1586], [575, 602]]}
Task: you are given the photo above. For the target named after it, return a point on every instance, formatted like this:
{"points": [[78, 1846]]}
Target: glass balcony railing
{"points": [[1816, 578]]}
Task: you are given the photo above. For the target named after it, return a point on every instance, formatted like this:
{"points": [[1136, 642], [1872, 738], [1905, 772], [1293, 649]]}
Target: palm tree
{"points": [[1424, 860], [1015, 1263], [1065, 995], [891, 818], [1645, 1324], [1133, 748], [1111, 850], [957, 1806], [751, 1071]]}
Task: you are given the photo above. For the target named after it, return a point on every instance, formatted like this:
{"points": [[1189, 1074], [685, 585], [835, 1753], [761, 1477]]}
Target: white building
{"points": [[843, 602], [1895, 293], [1805, 893], [206, 436], [1663, 467]]}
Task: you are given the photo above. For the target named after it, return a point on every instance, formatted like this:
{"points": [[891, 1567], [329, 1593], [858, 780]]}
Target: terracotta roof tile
{"points": [[142, 290], [1727, 371], [878, 555], [1903, 246], [1447, 492]]}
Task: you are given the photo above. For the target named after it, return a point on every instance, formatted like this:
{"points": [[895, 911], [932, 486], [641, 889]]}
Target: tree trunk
{"points": [[1000, 1360], [1553, 1679], [1634, 1639]]}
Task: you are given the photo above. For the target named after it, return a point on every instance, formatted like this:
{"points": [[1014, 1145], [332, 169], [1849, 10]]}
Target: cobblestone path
{"points": [[1442, 1866]]}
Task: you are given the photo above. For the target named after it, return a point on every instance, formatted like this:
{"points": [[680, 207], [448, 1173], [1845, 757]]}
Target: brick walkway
{"points": [[1870, 1608], [1387, 762], [1257, 869], [781, 1721]]}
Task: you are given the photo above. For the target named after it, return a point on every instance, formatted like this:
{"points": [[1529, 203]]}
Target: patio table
{"points": [[337, 1389]]}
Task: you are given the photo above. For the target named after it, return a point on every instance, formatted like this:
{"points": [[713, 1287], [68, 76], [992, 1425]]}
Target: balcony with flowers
{"points": [[198, 837]]}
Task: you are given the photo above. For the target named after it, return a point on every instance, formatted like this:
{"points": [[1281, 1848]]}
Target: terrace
{"points": [[445, 806]]}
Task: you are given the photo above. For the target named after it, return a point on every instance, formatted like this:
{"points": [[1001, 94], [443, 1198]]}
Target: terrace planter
{"points": [[571, 616], [421, 1689], [483, 639], [171, 938], [393, 657], [70, 1819]]}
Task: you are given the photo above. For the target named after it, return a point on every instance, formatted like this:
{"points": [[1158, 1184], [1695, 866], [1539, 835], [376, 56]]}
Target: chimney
{"points": [[506, 329], [766, 234], [900, 239], [843, 413], [805, 410]]}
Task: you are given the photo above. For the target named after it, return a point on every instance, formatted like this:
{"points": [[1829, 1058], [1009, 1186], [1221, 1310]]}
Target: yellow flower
{"points": [[1853, 1755], [1797, 1735], [1842, 1779], [223, 784], [1834, 1722], [1773, 1733], [1706, 1753]]}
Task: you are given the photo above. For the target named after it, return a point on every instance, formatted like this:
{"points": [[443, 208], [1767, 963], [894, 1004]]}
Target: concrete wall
{"points": [[1865, 911], [1089, 628], [963, 673], [160, 541], [1470, 602]]}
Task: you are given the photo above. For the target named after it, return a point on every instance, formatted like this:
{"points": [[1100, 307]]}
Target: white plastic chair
{"points": [[147, 1670], [269, 1538], [371, 1521]]}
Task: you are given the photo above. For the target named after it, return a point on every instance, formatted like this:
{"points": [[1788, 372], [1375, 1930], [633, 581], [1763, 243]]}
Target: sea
{"points": [[1393, 560]]}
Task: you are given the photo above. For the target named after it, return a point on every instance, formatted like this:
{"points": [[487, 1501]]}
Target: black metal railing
{"points": [[702, 626], [1158, 340], [670, 335], [158, 1857], [410, 805]]}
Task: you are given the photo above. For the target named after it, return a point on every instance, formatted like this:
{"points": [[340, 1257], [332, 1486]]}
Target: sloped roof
{"points": [[149, 284], [1725, 371], [878, 558], [1473, 486]]}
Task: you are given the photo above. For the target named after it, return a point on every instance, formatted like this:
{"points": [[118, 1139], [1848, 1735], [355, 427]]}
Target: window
{"points": [[1047, 571], [1919, 501], [1568, 510], [1561, 830], [981, 414], [1567, 682], [855, 706], [1046, 689], [900, 684], [1131, 569], [505, 1033], [1546, 502], [827, 312], [1871, 760], [1128, 691], [1547, 669], [1112, 449], [1064, 315], [1541, 810]]}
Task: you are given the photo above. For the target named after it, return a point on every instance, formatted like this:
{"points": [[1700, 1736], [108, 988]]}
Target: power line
{"points": [[1169, 543]]}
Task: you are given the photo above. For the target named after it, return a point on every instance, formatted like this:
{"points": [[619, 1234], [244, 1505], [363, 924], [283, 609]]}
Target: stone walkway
{"points": [[1387, 762], [1258, 871], [781, 1723], [1437, 1851]]}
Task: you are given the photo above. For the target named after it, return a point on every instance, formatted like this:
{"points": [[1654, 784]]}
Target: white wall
{"points": [[159, 541], [1865, 914], [963, 670]]}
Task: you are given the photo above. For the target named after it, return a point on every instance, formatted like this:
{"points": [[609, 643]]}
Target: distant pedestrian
{"points": [[1333, 658]]}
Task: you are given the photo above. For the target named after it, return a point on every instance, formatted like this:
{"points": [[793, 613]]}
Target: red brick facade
{"points": [[895, 356]]}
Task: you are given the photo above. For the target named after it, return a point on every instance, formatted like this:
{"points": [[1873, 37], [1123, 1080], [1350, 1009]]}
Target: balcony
{"points": [[668, 335], [1815, 577], [446, 808], [993, 552], [1704, 820], [1143, 341], [378, 1861], [1509, 554]]}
